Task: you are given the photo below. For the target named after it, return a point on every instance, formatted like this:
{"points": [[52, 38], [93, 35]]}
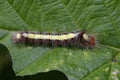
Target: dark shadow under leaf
{"points": [[6, 70], [51, 75]]}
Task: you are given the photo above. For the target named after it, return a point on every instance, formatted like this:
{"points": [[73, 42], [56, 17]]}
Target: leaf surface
{"points": [[100, 18]]}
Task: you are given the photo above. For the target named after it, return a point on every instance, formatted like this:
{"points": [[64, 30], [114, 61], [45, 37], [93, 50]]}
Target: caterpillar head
{"points": [[91, 42]]}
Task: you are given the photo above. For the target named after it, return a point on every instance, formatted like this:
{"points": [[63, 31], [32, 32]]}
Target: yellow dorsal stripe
{"points": [[51, 37]]}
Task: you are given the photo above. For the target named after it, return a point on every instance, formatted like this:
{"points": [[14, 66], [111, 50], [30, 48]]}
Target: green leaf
{"points": [[100, 18]]}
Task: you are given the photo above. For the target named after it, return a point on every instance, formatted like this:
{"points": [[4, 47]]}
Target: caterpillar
{"points": [[73, 39]]}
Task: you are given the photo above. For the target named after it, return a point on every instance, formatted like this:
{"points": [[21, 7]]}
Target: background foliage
{"points": [[99, 17]]}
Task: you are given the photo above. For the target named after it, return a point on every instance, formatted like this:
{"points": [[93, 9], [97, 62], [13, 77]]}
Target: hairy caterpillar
{"points": [[72, 39]]}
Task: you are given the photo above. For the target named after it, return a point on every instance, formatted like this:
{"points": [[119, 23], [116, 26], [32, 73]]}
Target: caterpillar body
{"points": [[73, 39]]}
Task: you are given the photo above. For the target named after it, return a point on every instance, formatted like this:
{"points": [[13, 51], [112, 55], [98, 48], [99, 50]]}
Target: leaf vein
{"points": [[72, 17], [30, 10], [109, 16], [17, 13]]}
